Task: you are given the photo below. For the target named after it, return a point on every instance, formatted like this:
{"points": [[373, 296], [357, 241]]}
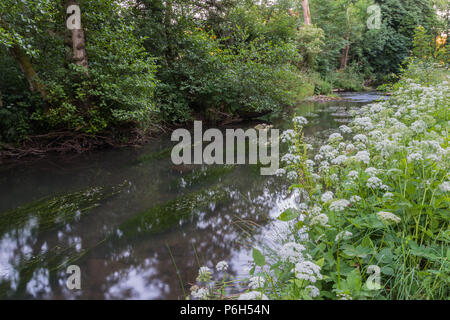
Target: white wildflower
{"points": [[345, 129], [256, 282], [374, 183], [200, 293], [301, 121], [335, 137], [339, 205], [360, 138], [222, 266], [292, 252], [307, 270], [343, 235], [388, 217], [353, 174], [355, 199], [363, 156], [327, 196], [312, 291], [321, 219]]}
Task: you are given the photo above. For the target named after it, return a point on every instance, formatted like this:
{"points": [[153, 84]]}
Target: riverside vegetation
{"points": [[372, 216]]}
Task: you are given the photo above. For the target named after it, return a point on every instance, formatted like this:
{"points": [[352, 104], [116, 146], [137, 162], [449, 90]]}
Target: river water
{"points": [[137, 226]]}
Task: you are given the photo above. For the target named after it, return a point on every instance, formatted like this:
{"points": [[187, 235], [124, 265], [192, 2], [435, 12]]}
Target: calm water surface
{"points": [[130, 219]]}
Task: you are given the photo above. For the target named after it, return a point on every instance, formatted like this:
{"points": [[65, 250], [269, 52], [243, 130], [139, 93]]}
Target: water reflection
{"points": [[115, 265]]}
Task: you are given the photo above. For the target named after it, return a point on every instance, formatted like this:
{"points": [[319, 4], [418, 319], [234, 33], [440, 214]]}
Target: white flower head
{"points": [[300, 121], [343, 235], [307, 270], [327, 196], [339, 205], [388, 217], [312, 291], [256, 282], [222, 266]]}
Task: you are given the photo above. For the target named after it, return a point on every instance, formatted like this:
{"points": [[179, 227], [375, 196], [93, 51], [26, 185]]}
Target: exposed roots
{"points": [[68, 142]]}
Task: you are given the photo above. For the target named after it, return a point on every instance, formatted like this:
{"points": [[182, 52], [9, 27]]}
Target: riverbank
{"points": [[373, 217]]}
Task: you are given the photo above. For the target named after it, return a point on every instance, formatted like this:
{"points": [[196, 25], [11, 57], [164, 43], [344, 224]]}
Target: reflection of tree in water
{"points": [[141, 267], [211, 235]]}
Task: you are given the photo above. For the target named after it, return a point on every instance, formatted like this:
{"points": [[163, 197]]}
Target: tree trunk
{"points": [[306, 12], [28, 71], [344, 58], [75, 39], [1, 100]]}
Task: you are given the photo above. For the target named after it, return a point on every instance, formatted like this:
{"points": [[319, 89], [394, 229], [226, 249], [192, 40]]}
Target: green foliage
{"points": [[349, 79], [310, 42]]}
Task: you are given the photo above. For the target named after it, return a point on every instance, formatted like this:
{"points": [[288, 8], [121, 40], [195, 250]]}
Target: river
{"points": [[137, 226]]}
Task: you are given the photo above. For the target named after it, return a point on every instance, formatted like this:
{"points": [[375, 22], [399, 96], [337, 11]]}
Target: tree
{"points": [[306, 12]]}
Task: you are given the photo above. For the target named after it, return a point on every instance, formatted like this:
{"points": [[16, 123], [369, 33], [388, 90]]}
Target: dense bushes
{"points": [[115, 90]]}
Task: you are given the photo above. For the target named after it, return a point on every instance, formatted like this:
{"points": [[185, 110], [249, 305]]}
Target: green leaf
{"points": [[258, 257], [288, 215]]}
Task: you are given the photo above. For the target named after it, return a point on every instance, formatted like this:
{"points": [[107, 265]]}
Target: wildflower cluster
{"points": [[375, 193]]}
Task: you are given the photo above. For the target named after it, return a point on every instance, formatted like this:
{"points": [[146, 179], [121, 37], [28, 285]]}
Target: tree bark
{"points": [[306, 12], [76, 40], [344, 58]]}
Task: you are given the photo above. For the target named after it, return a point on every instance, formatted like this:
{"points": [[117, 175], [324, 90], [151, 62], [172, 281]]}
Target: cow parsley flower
{"points": [[288, 136], [353, 174], [360, 138], [388, 195], [292, 175], [339, 205], [204, 274], [321, 219], [222, 266], [355, 199], [301, 121], [307, 270], [345, 129], [312, 291], [388, 217], [292, 252], [415, 156], [327, 196], [256, 282], [335, 137], [418, 126], [363, 156], [343, 235], [371, 171], [339, 160], [374, 183], [199, 293]]}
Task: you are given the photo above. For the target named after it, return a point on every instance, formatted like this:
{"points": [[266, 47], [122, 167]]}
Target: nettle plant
{"points": [[372, 218]]}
